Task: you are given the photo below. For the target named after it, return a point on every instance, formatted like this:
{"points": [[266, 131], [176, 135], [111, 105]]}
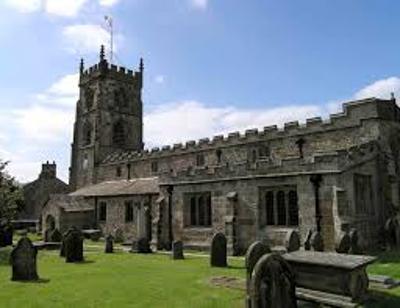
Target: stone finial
{"points": [[141, 65], [392, 97], [102, 53], [81, 66]]}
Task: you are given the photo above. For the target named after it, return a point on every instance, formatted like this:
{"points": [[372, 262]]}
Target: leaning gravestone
{"points": [[109, 244], [23, 261], [143, 245], [218, 251], [272, 283], [177, 250], [74, 247], [253, 254], [316, 241], [55, 236], [343, 243], [292, 241]]}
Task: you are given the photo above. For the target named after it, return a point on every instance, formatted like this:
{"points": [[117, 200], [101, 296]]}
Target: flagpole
{"points": [[109, 21]]}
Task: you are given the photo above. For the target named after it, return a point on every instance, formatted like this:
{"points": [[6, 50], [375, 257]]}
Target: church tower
{"points": [[108, 118]]}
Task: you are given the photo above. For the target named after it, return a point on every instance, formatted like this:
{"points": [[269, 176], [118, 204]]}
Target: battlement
{"points": [[112, 70], [352, 115], [49, 170]]}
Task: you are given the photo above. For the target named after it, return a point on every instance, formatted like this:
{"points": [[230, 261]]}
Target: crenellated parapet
{"points": [[352, 115]]}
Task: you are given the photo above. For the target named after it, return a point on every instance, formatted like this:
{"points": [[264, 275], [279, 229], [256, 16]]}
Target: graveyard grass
{"points": [[120, 280], [133, 280]]}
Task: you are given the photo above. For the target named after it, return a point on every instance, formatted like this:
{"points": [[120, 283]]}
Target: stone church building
{"points": [[336, 174]]}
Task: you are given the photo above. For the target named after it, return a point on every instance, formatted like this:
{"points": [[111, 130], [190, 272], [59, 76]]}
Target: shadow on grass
{"points": [[380, 299], [40, 280]]}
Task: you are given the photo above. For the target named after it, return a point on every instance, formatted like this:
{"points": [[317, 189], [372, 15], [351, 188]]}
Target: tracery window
{"points": [[198, 206]]}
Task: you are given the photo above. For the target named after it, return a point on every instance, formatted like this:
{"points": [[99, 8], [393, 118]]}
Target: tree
{"points": [[11, 196]]}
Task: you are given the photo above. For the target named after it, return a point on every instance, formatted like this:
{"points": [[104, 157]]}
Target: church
{"points": [[332, 175]]}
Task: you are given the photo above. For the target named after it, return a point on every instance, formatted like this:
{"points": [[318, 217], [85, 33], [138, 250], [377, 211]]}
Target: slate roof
{"points": [[140, 186]]}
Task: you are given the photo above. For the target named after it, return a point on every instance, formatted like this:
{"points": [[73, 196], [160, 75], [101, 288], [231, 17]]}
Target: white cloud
{"points": [[67, 8], [159, 79], [25, 6], [179, 122], [381, 89], [84, 39], [108, 2], [64, 92], [199, 4]]}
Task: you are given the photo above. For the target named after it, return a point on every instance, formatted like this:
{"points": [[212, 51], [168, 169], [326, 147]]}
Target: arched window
{"points": [[89, 97], [87, 134], [201, 211], [281, 208], [193, 211], [269, 208], [118, 134], [293, 209]]}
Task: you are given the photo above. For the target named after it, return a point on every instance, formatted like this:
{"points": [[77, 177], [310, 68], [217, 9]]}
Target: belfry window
{"points": [[118, 134], [87, 134]]}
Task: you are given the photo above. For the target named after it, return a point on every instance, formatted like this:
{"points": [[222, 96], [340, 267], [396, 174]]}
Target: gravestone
{"points": [[119, 235], [109, 244], [272, 283], [316, 241], [253, 254], [74, 247], [292, 241], [55, 236], [354, 244], [343, 243], [23, 261], [218, 251], [392, 233], [307, 242], [177, 250], [143, 245], [62, 249]]}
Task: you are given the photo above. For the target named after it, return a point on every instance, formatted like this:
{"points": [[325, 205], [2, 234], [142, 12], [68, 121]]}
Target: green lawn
{"points": [[133, 280], [121, 280]]}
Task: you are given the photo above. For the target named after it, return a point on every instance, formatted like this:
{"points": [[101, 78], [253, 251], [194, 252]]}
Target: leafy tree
{"points": [[11, 196]]}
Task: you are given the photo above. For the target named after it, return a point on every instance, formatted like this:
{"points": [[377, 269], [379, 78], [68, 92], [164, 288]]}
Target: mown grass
{"points": [[132, 280], [121, 280]]}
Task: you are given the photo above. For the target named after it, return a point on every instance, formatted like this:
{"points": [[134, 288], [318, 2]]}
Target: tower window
{"points": [[269, 207], [118, 134], [293, 209], [89, 96], [87, 133], [103, 211], [280, 200]]}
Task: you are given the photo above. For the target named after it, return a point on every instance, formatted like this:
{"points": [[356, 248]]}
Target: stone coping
{"points": [[330, 259]]}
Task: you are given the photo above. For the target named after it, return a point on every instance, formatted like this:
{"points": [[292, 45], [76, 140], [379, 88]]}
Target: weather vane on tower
{"points": [[109, 23]]}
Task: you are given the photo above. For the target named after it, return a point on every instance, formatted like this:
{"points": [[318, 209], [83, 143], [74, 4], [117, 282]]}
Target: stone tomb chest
{"points": [[334, 273]]}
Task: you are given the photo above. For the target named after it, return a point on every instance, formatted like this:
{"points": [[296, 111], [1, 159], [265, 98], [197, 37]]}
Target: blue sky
{"points": [[211, 66]]}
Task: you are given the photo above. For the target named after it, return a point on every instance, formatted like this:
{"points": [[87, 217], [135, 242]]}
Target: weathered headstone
{"points": [[272, 283], [177, 250], [253, 254], [392, 236], [307, 242], [316, 241], [218, 255], [23, 261], [343, 243], [109, 244], [292, 241], [354, 242], [55, 236], [74, 246], [143, 245], [62, 248], [119, 235]]}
